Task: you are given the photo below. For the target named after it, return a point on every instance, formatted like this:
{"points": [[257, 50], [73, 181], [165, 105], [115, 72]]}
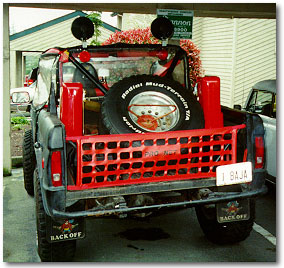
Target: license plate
{"points": [[234, 174]]}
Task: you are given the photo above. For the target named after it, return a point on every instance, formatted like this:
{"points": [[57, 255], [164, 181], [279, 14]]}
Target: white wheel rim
{"points": [[153, 111]]}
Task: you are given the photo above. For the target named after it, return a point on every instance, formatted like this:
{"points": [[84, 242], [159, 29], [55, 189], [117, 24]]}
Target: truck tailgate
{"points": [[127, 159]]}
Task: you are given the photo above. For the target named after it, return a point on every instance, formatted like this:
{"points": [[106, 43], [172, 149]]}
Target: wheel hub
{"points": [[148, 122], [153, 111]]}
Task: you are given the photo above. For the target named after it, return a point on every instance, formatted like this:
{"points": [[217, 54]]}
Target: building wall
{"points": [[214, 38], [58, 35], [240, 51], [255, 55], [133, 21]]}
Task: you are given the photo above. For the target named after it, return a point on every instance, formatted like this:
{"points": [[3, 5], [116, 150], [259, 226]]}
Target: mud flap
{"points": [[233, 211], [65, 229]]}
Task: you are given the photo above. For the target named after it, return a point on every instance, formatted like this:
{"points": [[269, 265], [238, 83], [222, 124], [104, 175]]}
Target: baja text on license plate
{"points": [[234, 174]]}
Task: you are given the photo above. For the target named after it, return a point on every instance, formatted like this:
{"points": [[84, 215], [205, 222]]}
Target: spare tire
{"points": [[148, 103]]}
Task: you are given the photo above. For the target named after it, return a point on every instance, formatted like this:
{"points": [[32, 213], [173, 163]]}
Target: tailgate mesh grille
{"points": [[114, 160]]}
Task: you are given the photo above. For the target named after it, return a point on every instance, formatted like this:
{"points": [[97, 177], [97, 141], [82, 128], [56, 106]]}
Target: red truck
{"points": [[117, 131]]}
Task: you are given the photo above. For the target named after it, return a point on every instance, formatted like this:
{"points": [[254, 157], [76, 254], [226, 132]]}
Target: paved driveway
{"points": [[174, 237]]}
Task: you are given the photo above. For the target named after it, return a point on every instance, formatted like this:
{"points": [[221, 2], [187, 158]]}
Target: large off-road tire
{"points": [[224, 233], [29, 161], [49, 252], [148, 103]]}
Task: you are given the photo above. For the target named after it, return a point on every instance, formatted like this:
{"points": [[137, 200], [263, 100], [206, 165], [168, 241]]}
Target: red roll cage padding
{"points": [[161, 54], [209, 99], [71, 108]]}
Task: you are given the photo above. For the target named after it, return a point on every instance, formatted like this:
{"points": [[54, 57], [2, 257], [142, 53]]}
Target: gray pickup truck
{"points": [[262, 101]]}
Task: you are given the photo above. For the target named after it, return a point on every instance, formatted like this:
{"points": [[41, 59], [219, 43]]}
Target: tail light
{"points": [[259, 152], [56, 169], [30, 81]]}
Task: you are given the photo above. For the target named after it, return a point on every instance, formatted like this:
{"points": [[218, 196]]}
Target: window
{"points": [[115, 65], [262, 102]]}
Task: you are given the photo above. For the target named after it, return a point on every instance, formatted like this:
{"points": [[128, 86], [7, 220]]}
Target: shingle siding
{"points": [[58, 35], [240, 51], [55, 33], [214, 39], [255, 55]]}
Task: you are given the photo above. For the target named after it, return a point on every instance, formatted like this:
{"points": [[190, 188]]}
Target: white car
{"points": [[22, 97], [262, 100]]}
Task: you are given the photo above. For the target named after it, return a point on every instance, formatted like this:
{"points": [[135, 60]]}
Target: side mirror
{"points": [[21, 97], [237, 107]]}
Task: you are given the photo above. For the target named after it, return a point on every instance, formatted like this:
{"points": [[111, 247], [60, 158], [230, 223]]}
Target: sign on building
{"points": [[182, 21]]}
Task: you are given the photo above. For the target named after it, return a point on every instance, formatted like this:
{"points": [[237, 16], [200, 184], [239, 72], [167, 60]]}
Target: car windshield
{"points": [[111, 67]]}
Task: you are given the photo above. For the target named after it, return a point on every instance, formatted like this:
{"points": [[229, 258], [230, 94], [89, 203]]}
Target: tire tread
{"points": [[29, 162]]}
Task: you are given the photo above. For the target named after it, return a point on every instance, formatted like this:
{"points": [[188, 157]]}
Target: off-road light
{"points": [[162, 28], [82, 28]]}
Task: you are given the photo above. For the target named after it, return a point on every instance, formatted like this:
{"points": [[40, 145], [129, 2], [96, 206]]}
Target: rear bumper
{"points": [[255, 189], [218, 199]]}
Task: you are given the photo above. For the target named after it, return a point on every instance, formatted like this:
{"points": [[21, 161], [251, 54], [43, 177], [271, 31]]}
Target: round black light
{"points": [[82, 28], [162, 28]]}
